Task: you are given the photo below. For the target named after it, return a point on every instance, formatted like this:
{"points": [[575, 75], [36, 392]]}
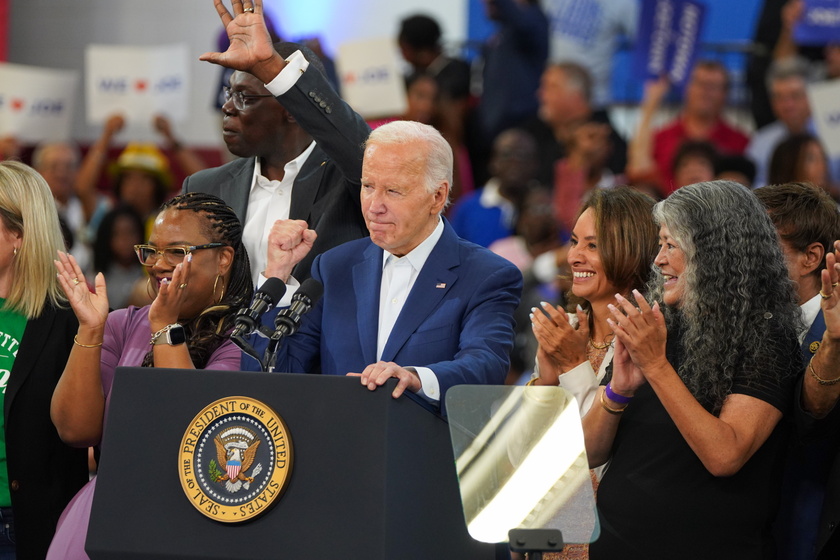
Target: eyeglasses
{"points": [[240, 100], [172, 255]]}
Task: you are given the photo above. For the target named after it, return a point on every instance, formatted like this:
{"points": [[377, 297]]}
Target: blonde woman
{"points": [[39, 474]]}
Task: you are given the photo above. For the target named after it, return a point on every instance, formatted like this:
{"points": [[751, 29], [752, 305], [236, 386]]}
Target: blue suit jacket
{"points": [[811, 498], [814, 334], [457, 320]]}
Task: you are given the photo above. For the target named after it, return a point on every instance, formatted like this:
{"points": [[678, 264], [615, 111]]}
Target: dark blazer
{"points": [[824, 436], [326, 191], [457, 320], [814, 465], [44, 474]]}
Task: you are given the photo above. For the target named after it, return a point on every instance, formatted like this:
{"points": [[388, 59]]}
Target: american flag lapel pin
{"points": [[440, 285]]}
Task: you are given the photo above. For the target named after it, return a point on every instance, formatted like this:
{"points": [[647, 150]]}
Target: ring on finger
{"points": [[249, 9], [824, 295], [182, 286], [76, 281]]}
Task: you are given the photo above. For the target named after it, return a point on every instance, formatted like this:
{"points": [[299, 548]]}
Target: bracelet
{"points": [[531, 382], [615, 397], [819, 379], [608, 408], [77, 343]]}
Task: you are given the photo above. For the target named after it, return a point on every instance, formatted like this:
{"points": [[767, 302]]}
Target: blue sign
{"points": [[668, 39], [820, 23]]}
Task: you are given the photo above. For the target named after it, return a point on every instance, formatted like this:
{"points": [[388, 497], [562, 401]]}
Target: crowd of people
{"points": [[681, 283]]}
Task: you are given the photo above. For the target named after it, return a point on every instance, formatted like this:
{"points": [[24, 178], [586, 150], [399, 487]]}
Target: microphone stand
{"points": [[270, 356], [288, 320], [248, 349]]}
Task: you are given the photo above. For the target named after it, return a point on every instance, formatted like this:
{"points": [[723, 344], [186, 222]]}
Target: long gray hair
{"points": [[737, 288]]}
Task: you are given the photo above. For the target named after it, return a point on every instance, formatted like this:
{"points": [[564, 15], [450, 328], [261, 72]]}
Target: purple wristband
{"points": [[615, 397]]}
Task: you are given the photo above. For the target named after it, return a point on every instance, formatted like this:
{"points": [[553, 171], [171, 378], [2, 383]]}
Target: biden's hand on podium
{"points": [[377, 374], [288, 242]]}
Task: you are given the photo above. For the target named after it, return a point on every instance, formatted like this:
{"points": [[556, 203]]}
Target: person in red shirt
{"points": [[700, 119]]}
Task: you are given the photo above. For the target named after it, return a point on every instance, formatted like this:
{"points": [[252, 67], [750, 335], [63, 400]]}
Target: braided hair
{"points": [[207, 331]]}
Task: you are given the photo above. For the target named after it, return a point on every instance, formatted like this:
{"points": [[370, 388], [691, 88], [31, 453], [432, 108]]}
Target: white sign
{"points": [[136, 82], [36, 104], [371, 81], [825, 108]]}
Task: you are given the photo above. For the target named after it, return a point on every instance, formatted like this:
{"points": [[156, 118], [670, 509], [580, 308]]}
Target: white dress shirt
{"points": [[391, 301], [296, 65], [268, 202], [810, 309]]}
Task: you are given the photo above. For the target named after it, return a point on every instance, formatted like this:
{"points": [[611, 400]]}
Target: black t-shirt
{"points": [[657, 500]]}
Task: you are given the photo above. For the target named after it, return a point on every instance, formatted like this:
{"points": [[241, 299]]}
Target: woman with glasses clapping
{"points": [[200, 275]]}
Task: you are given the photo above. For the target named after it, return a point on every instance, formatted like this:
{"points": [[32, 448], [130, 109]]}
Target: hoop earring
{"points": [[149, 291], [222, 295]]}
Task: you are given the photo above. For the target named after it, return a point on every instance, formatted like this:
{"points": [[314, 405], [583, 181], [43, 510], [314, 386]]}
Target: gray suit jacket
{"points": [[326, 191]]}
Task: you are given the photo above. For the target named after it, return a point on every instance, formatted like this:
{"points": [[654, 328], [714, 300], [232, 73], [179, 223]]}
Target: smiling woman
{"points": [[38, 474], [671, 263], [689, 421], [200, 274], [611, 250]]}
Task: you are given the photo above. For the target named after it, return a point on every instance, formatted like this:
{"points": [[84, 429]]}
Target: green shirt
{"points": [[12, 325]]}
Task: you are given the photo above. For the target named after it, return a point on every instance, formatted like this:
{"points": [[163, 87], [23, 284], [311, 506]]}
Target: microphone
{"points": [[247, 319], [287, 321]]}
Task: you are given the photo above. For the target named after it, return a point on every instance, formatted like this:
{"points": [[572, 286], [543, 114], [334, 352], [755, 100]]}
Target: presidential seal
{"points": [[235, 459]]}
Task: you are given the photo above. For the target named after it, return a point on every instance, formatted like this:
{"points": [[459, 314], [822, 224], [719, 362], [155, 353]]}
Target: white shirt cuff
{"points": [[288, 76], [582, 382], [429, 385], [292, 286]]}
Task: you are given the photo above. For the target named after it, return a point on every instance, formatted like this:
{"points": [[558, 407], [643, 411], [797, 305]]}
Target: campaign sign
{"points": [[668, 39], [136, 82], [825, 108], [820, 23], [371, 81], [36, 104]]}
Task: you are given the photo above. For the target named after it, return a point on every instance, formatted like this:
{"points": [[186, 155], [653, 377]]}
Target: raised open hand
{"points": [[250, 47], [91, 309], [166, 308], [831, 287]]}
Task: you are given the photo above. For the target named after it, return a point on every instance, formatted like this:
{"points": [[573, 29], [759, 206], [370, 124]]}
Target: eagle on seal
{"points": [[236, 459]]}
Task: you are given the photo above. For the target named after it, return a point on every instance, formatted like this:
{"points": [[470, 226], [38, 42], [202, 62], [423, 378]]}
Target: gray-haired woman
{"points": [[690, 418]]}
